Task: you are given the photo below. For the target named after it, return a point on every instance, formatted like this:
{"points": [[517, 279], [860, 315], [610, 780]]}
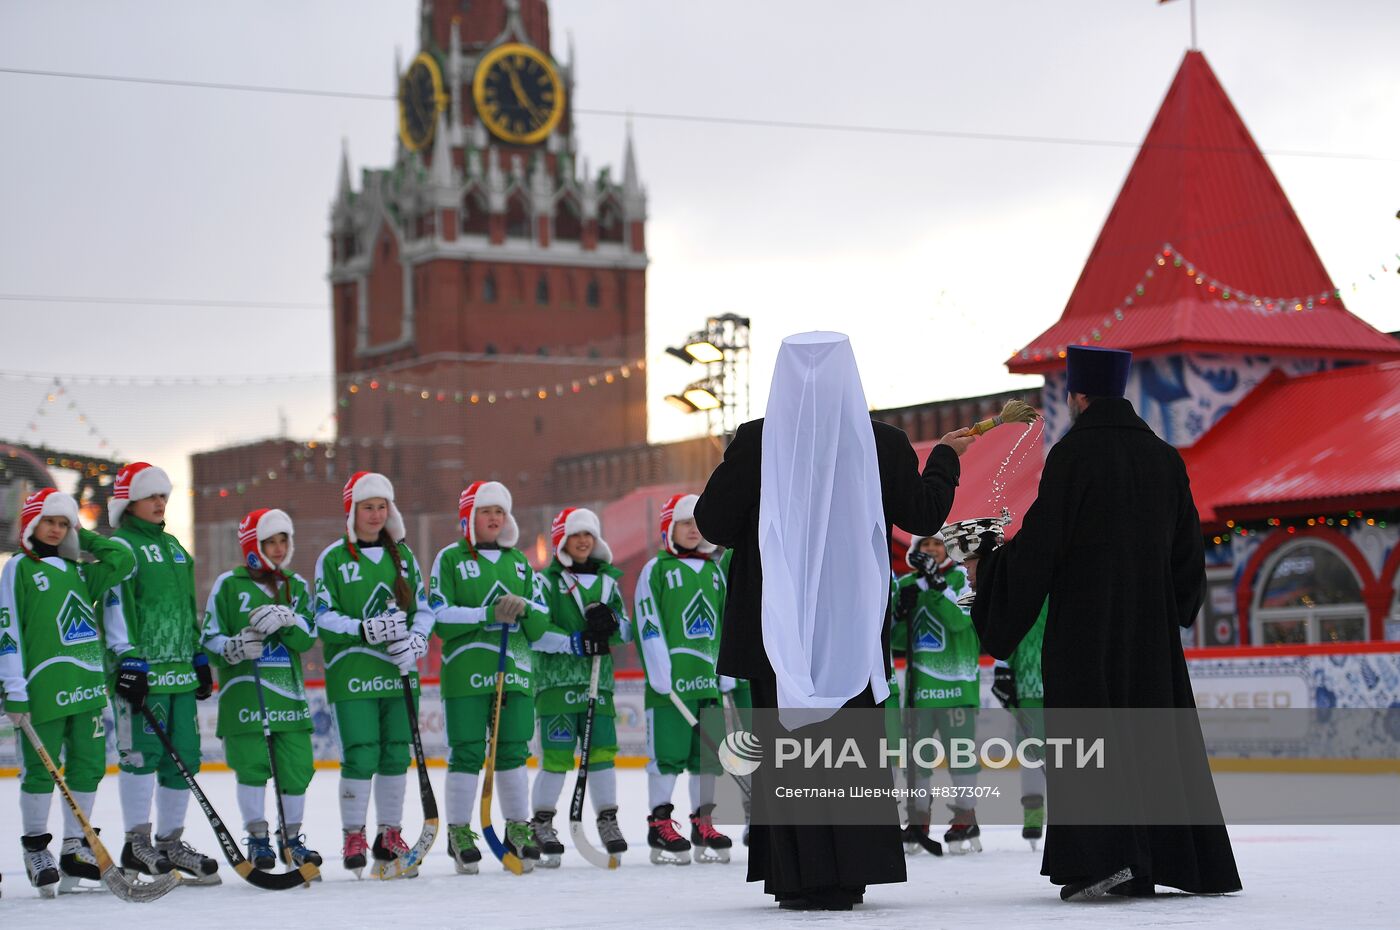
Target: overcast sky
{"points": [[939, 256]]}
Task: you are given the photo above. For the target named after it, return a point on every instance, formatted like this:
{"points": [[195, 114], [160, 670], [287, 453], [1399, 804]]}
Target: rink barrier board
{"points": [[1356, 675]]}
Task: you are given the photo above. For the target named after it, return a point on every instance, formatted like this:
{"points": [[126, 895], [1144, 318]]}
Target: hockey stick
{"points": [[116, 882], [271, 760], [709, 743], [272, 881], [419, 852], [590, 853], [509, 859]]}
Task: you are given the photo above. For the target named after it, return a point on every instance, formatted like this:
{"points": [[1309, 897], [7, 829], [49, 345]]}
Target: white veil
{"points": [[821, 531]]}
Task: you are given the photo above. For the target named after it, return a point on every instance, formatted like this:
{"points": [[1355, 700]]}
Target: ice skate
{"points": [[520, 840], [963, 835], [1033, 819], [389, 850], [260, 847], [546, 839], [353, 854], [668, 847], [295, 853], [461, 846], [139, 857], [39, 863], [711, 845], [610, 833], [198, 868], [76, 865]]}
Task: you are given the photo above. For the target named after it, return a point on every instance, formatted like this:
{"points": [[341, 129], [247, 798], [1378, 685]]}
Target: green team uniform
{"points": [[234, 596], [153, 615], [679, 606], [51, 661], [561, 680], [465, 583], [363, 685], [942, 651], [1025, 663]]}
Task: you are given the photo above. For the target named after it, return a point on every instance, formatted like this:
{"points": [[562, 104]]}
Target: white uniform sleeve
{"points": [[301, 622], [421, 616], [451, 613], [619, 605], [654, 647], [12, 679], [114, 609], [553, 641], [326, 614]]}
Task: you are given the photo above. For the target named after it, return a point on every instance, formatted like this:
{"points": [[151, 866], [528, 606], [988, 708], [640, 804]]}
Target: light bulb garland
{"points": [[52, 397], [1169, 260], [1292, 525], [365, 385]]}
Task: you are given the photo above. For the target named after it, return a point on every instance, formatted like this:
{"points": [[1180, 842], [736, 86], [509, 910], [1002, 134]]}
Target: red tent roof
{"points": [[1201, 187], [1297, 446]]}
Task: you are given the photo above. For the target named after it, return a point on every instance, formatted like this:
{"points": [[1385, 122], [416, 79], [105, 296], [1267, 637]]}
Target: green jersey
{"points": [[353, 584], [153, 614], [51, 661], [1025, 659], [561, 682], [234, 596], [941, 645], [464, 587], [679, 605]]}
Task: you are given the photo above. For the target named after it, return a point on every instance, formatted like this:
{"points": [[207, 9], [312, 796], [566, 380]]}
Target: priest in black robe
{"points": [[835, 486], [1114, 540]]}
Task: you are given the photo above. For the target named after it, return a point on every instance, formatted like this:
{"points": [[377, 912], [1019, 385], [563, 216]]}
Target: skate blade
{"points": [[48, 891], [964, 847], [548, 861], [526, 866], [662, 857], [706, 854], [1035, 845], [197, 880], [76, 884], [466, 868]]}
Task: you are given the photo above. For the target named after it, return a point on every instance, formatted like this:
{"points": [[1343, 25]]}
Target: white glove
{"points": [[246, 646], [18, 717], [270, 618], [385, 628], [406, 652], [727, 684], [507, 609]]}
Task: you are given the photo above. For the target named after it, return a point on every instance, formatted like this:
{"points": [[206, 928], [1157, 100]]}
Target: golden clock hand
{"points": [[520, 94]]}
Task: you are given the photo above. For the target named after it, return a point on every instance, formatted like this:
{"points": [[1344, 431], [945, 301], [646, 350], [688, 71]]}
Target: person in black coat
{"points": [[814, 866], [1114, 540]]}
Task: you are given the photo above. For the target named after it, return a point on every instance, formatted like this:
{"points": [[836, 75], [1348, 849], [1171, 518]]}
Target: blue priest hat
{"points": [[1098, 372]]}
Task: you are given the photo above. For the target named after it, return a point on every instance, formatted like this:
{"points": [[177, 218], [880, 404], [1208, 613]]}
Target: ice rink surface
{"points": [[1294, 876]]}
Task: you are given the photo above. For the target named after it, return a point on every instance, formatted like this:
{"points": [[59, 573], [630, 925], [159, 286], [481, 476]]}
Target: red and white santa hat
{"points": [[135, 482], [49, 502], [366, 485], [680, 507], [573, 520], [262, 525], [487, 494], [915, 541]]}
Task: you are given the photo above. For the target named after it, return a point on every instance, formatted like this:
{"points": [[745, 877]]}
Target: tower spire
{"points": [[342, 188], [633, 194]]}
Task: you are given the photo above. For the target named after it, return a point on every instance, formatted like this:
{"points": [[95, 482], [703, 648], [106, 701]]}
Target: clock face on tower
{"points": [[518, 94], [421, 100]]}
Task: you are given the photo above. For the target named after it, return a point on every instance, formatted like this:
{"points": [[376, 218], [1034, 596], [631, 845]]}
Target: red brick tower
{"points": [[487, 266]]}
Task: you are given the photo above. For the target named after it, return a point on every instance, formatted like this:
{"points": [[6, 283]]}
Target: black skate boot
{"points": [[963, 835], [668, 847], [713, 845], [610, 833], [199, 868], [520, 840], [546, 839], [139, 857], [39, 863], [77, 864]]}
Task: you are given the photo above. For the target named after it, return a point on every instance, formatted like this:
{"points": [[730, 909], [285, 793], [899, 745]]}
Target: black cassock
{"points": [[794, 861], [1114, 540]]}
